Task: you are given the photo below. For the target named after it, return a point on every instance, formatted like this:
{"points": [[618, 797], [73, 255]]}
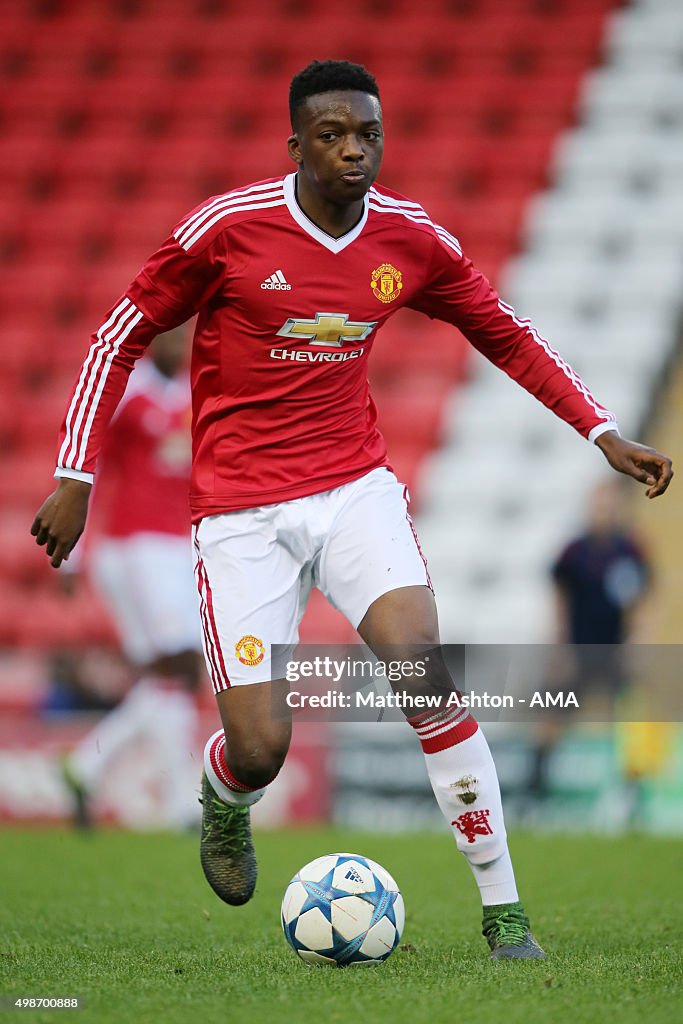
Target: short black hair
{"points": [[329, 76]]}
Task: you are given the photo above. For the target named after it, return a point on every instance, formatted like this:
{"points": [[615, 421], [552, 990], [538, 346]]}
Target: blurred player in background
{"points": [[139, 557], [600, 579], [292, 486]]}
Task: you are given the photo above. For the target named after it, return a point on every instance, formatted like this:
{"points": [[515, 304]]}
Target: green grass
{"points": [[127, 922]]}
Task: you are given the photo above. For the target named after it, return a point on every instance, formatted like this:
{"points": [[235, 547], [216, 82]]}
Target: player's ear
{"points": [[294, 148]]}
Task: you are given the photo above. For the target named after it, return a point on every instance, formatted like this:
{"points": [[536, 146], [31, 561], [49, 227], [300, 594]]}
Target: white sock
{"points": [[463, 777], [496, 881]]}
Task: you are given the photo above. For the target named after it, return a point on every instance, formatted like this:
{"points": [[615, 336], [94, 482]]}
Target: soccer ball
{"points": [[343, 909]]}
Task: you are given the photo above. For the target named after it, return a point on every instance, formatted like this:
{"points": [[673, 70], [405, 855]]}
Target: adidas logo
{"points": [[276, 282], [353, 875]]}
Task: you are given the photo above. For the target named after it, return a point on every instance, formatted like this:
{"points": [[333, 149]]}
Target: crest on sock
{"points": [[473, 823]]}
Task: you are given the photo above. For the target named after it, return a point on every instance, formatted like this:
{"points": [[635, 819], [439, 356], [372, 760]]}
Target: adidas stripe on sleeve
{"points": [[170, 288]]}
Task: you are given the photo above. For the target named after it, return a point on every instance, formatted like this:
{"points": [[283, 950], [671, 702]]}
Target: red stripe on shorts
{"points": [[416, 539], [212, 646]]}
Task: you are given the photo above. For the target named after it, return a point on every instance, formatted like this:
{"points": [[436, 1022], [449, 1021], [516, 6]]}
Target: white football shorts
{"points": [[147, 583], [255, 568]]}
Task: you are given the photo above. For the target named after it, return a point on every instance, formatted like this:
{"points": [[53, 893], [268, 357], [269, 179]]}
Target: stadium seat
{"points": [[27, 475], [52, 620], [21, 560], [38, 419], [28, 165]]}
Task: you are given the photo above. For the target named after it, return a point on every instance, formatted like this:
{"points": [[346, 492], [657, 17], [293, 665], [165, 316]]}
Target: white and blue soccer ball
{"points": [[343, 909]]}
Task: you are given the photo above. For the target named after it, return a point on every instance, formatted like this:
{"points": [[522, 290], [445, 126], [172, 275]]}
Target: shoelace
{"points": [[508, 929], [229, 827]]}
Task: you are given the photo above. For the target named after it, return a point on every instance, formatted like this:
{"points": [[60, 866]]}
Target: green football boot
{"points": [[226, 848], [506, 929]]}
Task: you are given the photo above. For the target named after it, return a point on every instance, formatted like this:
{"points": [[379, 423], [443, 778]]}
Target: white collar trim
{"points": [[333, 244]]}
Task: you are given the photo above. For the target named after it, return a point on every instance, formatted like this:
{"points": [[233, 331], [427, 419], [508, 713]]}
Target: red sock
{"points": [[438, 730]]}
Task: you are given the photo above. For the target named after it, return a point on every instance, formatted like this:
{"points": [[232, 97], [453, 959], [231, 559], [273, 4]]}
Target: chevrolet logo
{"points": [[327, 329]]}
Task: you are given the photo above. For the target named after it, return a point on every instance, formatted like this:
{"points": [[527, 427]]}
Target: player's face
{"points": [[338, 144]]}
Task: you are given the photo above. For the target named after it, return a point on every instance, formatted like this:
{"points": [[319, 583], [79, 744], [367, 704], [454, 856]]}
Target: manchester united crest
{"points": [[386, 282], [250, 650]]}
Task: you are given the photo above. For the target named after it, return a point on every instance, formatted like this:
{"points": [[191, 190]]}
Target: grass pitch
{"points": [[128, 923]]}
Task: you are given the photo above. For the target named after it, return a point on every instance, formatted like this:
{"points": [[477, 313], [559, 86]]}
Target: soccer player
{"points": [[141, 563], [293, 279]]}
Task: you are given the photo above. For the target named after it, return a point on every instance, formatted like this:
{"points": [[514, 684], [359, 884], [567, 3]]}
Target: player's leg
{"points": [[461, 771], [162, 579], [240, 760], [147, 583], [113, 567], [359, 567], [91, 759], [172, 731], [257, 732], [250, 591]]}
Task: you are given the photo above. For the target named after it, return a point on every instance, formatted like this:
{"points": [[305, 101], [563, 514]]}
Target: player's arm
{"points": [[61, 519], [456, 292], [173, 284]]}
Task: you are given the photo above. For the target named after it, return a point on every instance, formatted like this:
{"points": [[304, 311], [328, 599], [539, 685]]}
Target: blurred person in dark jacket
{"points": [[600, 578]]}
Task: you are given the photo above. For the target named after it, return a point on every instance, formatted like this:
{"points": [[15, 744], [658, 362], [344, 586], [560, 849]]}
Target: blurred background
{"points": [[547, 135]]}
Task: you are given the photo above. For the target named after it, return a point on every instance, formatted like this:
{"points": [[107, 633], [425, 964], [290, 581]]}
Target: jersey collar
{"points": [[333, 244]]}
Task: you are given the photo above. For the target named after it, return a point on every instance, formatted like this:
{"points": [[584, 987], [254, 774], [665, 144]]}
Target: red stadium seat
{"points": [[40, 416], [52, 620], [27, 164], [38, 104], [21, 560], [27, 476], [13, 605], [57, 230]]}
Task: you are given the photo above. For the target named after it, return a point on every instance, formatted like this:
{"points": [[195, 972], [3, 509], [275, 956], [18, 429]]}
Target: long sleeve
{"points": [[456, 292], [169, 289]]}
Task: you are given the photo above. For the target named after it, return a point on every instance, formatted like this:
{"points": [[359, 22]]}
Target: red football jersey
{"points": [[287, 319], [146, 458]]}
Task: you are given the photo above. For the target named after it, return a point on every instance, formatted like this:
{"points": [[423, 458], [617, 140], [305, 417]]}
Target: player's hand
{"points": [[637, 460], [60, 520]]}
